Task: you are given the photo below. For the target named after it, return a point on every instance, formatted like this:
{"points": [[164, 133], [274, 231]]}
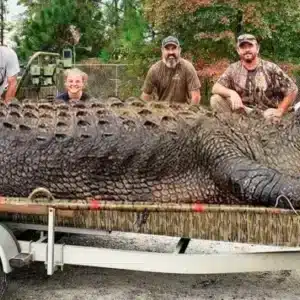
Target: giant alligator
{"points": [[131, 151]]}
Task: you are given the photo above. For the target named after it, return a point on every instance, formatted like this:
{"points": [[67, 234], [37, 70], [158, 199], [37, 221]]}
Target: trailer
{"points": [[16, 253]]}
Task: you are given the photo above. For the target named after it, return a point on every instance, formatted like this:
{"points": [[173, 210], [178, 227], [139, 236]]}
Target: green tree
{"points": [[49, 22], [3, 9], [126, 27]]}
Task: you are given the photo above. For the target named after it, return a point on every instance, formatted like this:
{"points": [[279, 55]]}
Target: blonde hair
{"points": [[76, 71]]}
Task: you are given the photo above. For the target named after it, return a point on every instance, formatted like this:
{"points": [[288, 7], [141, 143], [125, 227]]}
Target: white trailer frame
{"points": [[16, 253]]}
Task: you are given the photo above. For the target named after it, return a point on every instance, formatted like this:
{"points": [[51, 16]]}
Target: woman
{"points": [[75, 81]]}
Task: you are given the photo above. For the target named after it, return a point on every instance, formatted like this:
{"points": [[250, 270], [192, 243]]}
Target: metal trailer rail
{"points": [[17, 253]]}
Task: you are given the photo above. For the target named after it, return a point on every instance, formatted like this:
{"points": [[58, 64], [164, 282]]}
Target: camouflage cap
{"points": [[246, 38], [170, 40]]}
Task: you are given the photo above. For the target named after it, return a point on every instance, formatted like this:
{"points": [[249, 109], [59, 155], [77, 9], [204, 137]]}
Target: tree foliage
{"points": [[120, 29], [126, 27], [211, 26], [48, 25]]}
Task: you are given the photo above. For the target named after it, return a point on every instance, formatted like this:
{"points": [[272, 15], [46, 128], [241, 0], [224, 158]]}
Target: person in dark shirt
{"points": [[75, 81], [172, 78]]}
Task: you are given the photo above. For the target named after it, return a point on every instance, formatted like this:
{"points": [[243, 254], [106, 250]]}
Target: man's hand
{"points": [[273, 114], [145, 97], [235, 100]]}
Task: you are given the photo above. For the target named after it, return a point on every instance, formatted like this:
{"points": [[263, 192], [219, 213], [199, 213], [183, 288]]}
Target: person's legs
{"points": [[220, 104]]}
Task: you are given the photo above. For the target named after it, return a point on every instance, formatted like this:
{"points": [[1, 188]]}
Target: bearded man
{"points": [[172, 79], [253, 82]]}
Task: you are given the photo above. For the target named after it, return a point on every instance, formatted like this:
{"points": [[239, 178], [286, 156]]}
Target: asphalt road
{"points": [[98, 283]]}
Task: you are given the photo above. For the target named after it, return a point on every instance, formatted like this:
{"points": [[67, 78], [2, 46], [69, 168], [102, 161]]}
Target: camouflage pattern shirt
{"points": [[263, 87], [172, 85]]}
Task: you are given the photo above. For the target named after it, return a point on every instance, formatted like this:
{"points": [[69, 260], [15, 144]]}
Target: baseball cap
{"points": [[170, 40], [248, 38]]}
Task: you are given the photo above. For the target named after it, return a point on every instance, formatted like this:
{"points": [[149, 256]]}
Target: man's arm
{"points": [[11, 88], [288, 101], [146, 97], [221, 90], [195, 97], [277, 113], [289, 87], [290, 91], [148, 86], [193, 84], [12, 70]]}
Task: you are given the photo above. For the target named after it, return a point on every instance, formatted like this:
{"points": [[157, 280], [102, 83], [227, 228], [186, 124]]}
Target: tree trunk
{"points": [[2, 11]]}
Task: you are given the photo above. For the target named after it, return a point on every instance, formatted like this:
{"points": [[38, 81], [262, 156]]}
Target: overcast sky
{"points": [[14, 9]]}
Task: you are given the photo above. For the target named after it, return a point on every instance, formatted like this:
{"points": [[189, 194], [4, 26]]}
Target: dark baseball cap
{"points": [[170, 40], [246, 38]]}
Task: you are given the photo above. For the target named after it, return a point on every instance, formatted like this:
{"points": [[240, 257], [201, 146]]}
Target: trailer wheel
{"points": [[3, 281]]}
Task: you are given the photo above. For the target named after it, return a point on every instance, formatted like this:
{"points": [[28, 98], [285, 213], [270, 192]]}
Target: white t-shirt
{"points": [[9, 65]]}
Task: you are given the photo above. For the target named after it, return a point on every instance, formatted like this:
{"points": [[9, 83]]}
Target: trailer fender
{"points": [[9, 247]]}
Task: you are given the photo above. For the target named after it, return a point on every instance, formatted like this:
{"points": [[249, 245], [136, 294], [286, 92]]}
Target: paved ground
{"points": [[95, 283]]}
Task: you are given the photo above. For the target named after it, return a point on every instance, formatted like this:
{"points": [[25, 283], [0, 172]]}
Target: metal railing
{"points": [[107, 80]]}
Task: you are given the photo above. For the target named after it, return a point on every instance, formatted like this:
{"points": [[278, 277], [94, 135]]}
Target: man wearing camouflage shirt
{"points": [[253, 82]]}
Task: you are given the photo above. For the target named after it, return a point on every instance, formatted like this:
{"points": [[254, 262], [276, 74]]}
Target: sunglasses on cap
{"points": [[246, 38]]}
